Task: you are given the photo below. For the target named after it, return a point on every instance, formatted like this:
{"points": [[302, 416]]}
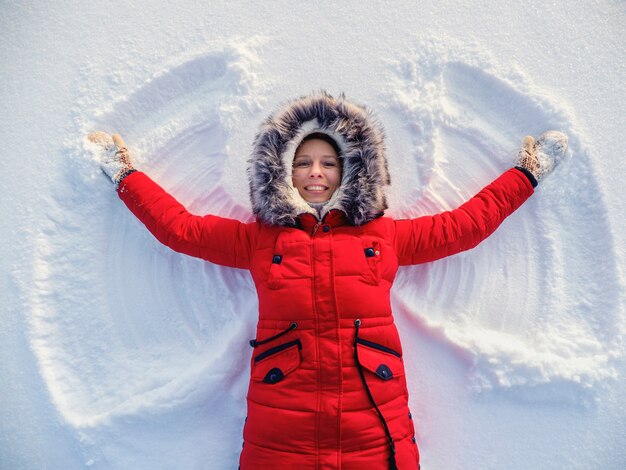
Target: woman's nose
{"points": [[316, 170]]}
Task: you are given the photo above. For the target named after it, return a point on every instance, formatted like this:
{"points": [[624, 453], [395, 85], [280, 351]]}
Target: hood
{"points": [[360, 137]]}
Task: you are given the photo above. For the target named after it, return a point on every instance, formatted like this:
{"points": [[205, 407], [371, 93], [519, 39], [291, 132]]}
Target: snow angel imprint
{"points": [[327, 384]]}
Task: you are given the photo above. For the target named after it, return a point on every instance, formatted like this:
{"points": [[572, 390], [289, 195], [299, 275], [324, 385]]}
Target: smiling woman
{"points": [[327, 384], [316, 170]]}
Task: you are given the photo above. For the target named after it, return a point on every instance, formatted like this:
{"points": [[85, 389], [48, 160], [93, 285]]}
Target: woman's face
{"points": [[316, 170]]}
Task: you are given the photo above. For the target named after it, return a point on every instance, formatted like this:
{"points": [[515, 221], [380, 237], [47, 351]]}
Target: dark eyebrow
{"points": [[306, 155]]}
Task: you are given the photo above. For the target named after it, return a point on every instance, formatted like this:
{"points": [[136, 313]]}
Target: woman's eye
{"points": [[300, 164], [330, 164]]}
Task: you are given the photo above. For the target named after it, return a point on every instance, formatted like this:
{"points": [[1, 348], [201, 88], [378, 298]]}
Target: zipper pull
{"points": [[317, 225]]}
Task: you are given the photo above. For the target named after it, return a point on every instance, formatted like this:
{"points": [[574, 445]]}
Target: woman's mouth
{"points": [[316, 187]]}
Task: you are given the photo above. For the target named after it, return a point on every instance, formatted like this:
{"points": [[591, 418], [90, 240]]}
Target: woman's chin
{"points": [[316, 200]]}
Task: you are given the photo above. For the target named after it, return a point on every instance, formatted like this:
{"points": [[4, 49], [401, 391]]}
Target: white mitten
{"points": [[541, 156], [113, 155]]}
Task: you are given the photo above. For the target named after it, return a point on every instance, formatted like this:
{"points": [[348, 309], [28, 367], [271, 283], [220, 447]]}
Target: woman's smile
{"points": [[316, 188]]}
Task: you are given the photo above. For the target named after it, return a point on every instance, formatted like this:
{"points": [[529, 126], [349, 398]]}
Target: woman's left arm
{"points": [[432, 237]]}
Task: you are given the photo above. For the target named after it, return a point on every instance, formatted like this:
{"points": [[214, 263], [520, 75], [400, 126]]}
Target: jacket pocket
{"points": [[274, 277], [373, 257], [385, 363], [273, 365], [290, 261]]}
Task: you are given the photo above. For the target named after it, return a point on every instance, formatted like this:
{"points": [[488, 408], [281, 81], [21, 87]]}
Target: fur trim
{"points": [[360, 137]]}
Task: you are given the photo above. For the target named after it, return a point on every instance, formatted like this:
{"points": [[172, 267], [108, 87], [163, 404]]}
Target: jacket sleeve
{"points": [[432, 237], [220, 240]]}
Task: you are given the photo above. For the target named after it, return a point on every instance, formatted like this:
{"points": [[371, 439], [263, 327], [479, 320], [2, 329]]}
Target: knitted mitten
{"points": [[541, 156], [113, 155]]}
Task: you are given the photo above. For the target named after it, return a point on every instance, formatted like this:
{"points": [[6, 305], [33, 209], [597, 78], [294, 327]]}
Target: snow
{"points": [[118, 353]]}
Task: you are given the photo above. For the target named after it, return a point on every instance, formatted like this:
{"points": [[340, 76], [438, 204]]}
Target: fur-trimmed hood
{"points": [[360, 137]]}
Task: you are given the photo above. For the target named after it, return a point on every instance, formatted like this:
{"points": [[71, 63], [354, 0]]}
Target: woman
{"points": [[327, 386]]}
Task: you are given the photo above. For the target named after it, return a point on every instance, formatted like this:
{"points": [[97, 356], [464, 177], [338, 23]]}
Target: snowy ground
{"points": [[118, 353]]}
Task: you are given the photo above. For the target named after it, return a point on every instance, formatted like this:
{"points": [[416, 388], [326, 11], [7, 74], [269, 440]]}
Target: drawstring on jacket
{"points": [[392, 447]]}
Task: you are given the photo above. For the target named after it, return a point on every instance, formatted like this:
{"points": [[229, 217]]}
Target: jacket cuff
{"points": [[529, 175], [119, 179], [121, 187]]}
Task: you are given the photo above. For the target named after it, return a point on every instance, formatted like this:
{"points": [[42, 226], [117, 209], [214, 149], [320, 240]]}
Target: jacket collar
{"points": [[334, 218]]}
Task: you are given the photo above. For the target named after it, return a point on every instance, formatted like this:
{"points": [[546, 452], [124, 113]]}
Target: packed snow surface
{"points": [[119, 353]]}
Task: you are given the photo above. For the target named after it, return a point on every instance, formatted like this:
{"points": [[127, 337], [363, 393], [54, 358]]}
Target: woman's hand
{"points": [[541, 156], [113, 155]]}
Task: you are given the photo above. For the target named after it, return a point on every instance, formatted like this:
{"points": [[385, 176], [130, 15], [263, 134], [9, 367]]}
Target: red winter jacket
{"points": [[327, 387], [311, 402]]}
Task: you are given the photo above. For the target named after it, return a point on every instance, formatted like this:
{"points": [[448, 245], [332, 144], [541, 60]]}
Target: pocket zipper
{"points": [[277, 349], [254, 343], [377, 346]]}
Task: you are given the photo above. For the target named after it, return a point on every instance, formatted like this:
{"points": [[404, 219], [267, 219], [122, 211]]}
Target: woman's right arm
{"points": [[220, 240]]}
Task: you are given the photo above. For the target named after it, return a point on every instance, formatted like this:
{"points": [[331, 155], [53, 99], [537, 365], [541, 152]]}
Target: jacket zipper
{"points": [[317, 225]]}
